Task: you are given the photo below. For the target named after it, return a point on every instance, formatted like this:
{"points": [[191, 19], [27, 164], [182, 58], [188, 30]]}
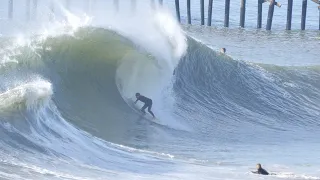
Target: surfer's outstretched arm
{"points": [[136, 101]]}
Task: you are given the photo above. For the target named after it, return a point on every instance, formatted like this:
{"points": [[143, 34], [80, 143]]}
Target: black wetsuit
{"points": [[147, 104], [261, 171]]}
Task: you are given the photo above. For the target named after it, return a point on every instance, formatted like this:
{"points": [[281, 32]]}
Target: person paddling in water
{"points": [[147, 103], [260, 170]]}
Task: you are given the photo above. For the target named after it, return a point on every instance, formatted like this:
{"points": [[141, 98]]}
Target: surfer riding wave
{"points": [[147, 103]]}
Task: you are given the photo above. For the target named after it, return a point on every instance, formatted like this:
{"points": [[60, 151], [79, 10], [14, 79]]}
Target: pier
{"points": [[32, 7]]}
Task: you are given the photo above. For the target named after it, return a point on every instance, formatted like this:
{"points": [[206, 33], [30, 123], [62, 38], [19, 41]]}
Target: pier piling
{"points": [[68, 5], [210, 12], [116, 5], [318, 2], [28, 6], [242, 13], [202, 11], [35, 9], [303, 14], [226, 13], [289, 14], [10, 9], [133, 5], [189, 11], [86, 6], [51, 15], [270, 14], [178, 10], [259, 19], [153, 4], [90, 6]]}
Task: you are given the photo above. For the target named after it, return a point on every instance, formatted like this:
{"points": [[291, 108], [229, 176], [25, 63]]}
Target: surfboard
{"points": [[145, 115], [137, 109]]}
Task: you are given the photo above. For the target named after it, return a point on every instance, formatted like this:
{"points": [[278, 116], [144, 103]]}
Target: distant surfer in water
{"points": [[223, 50], [260, 170], [147, 103]]}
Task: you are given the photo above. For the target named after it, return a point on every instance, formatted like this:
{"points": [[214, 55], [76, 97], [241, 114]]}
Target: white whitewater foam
{"points": [[30, 94]]}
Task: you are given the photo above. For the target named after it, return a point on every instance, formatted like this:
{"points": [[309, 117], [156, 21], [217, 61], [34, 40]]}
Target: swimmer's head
{"points": [[223, 50], [258, 166]]}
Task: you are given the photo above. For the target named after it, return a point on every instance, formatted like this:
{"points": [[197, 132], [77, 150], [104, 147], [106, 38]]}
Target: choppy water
{"points": [[67, 88]]}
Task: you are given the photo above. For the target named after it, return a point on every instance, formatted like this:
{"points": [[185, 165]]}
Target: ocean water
{"points": [[68, 79]]}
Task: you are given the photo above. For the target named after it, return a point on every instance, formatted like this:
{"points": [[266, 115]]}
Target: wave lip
{"points": [[30, 94]]}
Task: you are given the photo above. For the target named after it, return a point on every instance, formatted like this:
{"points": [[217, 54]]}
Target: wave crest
{"points": [[31, 95]]}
